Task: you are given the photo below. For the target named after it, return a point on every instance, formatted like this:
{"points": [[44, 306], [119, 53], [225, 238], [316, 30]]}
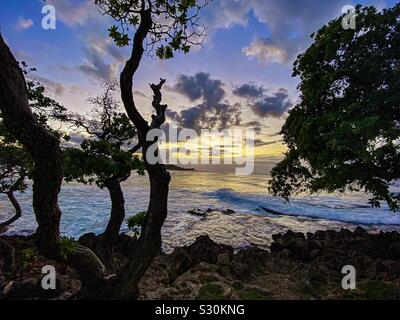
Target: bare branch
{"points": [[159, 117]]}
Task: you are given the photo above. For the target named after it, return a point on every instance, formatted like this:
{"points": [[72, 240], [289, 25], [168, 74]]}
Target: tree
{"points": [[13, 172], [344, 133], [42, 145], [163, 26], [107, 158], [15, 163]]}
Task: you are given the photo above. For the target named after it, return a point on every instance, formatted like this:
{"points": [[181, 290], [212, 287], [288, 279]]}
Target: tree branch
{"points": [[159, 117], [130, 69]]}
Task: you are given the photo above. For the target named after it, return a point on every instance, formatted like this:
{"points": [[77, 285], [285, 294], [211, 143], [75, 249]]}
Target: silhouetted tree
{"points": [[107, 158], [344, 133], [42, 145], [13, 172], [15, 163], [160, 26]]}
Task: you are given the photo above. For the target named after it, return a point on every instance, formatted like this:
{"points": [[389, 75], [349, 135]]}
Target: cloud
{"points": [[75, 12], [261, 143], [275, 104], [289, 22], [200, 86], [226, 13], [75, 139], [266, 52], [257, 126], [140, 94], [249, 90], [276, 134], [52, 86], [211, 112], [22, 55], [107, 47], [24, 23], [221, 116], [265, 102], [95, 65]]}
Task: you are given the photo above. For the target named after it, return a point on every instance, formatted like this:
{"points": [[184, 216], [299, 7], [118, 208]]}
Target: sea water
{"points": [[86, 209]]}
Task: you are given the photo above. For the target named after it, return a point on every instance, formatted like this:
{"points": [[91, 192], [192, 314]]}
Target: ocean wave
{"points": [[320, 207]]}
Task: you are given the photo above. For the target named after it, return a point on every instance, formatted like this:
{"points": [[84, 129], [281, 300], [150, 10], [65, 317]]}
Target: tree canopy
{"points": [[15, 162], [25, 130], [108, 146], [344, 134], [174, 24], [163, 27]]}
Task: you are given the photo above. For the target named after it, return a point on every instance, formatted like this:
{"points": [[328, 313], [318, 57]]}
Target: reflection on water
{"points": [[86, 209]]}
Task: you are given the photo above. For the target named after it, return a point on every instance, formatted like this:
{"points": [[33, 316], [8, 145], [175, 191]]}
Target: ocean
{"points": [[86, 209]]}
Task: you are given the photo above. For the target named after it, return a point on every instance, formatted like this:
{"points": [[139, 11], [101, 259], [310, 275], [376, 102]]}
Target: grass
{"points": [[211, 291], [237, 285], [207, 278], [27, 256], [374, 290], [252, 294], [67, 246]]}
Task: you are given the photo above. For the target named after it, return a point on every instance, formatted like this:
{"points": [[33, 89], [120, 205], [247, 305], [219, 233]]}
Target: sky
{"points": [[240, 77]]}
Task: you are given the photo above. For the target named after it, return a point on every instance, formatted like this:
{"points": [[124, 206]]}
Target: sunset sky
{"points": [[240, 77]]}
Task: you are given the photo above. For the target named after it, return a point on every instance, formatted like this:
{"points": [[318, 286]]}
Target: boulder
{"points": [[206, 250], [361, 232], [223, 259], [91, 270], [249, 261], [179, 262], [198, 212], [88, 240], [228, 212], [21, 290]]}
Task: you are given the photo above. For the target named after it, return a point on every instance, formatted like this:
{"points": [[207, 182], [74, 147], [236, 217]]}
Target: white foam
{"points": [[329, 208]]}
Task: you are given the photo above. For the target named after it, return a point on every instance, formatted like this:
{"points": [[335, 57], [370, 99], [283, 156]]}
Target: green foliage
{"points": [[14, 166], [173, 24], [106, 152], [67, 247], [237, 285], [344, 134], [252, 294], [207, 278], [373, 290], [15, 162], [164, 52], [44, 108], [120, 39], [137, 220], [211, 291], [98, 161], [27, 256], [136, 223]]}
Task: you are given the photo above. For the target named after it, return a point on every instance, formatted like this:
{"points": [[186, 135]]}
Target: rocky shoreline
{"points": [[297, 266]]}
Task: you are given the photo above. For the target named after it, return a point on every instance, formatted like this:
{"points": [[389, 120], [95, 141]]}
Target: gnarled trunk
{"points": [[117, 216], [18, 211], [42, 146], [150, 241]]}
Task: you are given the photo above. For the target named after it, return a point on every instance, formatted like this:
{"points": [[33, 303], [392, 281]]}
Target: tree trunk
{"points": [[18, 210], [150, 241], [40, 143], [126, 284], [117, 216]]}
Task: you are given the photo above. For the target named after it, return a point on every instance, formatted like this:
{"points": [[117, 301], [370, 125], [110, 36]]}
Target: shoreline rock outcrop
{"points": [[298, 266]]}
